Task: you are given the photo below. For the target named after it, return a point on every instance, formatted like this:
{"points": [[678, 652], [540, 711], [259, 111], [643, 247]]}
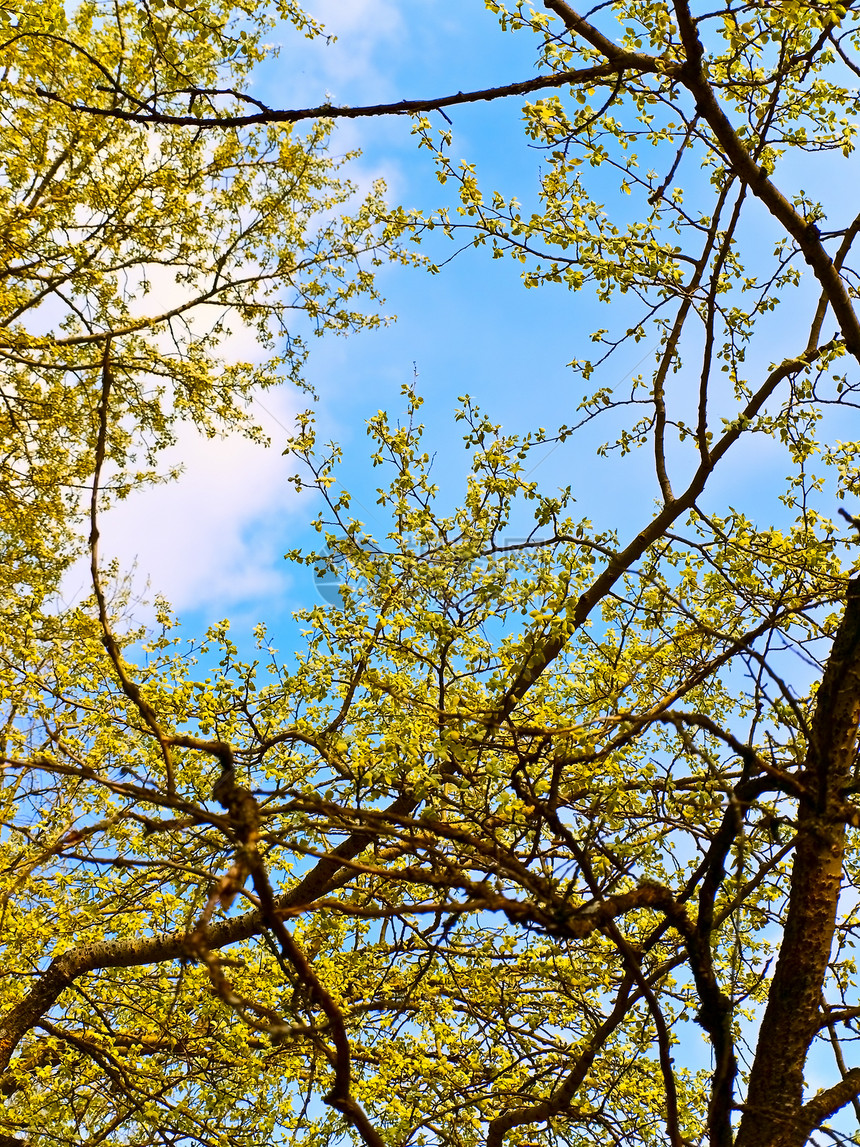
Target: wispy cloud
{"points": [[366, 30], [355, 63], [213, 541], [214, 538]]}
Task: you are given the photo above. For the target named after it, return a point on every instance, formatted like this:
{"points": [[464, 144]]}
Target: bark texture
{"points": [[774, 1113]]}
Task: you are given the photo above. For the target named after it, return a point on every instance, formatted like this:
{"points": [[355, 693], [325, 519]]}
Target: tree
{"points": [[476, 866], [142, 248]]}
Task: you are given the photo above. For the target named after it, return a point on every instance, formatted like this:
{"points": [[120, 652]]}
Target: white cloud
{"points": [[364, 29], [215, 538], [353, 67]]}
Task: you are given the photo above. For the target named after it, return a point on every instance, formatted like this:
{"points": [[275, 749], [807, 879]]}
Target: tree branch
{"points": [[326, 875], [793, 1013], [829, 1101], [600, 73], [804, 233]]}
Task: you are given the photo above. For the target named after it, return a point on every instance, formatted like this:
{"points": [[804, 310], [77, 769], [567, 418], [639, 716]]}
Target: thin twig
{"points": [[129, 685]]}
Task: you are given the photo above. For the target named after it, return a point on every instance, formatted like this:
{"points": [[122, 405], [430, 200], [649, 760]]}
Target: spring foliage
{"points": [[543, 842]]}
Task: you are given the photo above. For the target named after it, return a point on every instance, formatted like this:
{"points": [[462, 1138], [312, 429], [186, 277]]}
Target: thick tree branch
{"points": [[804, 232], [138, 950], [548, 649], [828, 1102], [600, 73], [245, 815], [560, 1100], [773, 1109], [581, 27]]}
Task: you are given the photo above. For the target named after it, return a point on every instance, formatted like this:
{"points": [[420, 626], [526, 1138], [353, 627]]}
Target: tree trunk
{"points": [[774, 1114]]}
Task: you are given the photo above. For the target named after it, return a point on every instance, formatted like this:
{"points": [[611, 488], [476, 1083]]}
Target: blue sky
{"points": [[472, 328]]}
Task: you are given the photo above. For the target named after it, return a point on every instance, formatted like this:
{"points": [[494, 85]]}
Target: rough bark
{"points": [[774, 1115]]}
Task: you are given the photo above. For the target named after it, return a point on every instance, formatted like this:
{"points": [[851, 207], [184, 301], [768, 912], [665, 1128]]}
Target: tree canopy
{"points": [[548, 841]]}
